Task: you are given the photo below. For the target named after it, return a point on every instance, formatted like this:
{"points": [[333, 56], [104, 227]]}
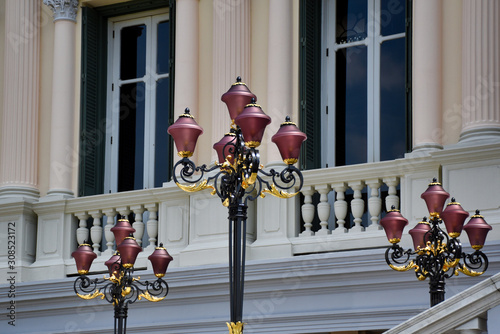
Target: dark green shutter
{"points": [[310, 82], [93, 103]]}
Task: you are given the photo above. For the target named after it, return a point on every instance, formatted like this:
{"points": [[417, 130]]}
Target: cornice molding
{"points": [[63, 9]]}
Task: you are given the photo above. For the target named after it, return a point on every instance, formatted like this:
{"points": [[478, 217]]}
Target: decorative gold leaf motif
{"points": [[469, 272], [278, 193], [96, 293], [196, 187], [235, 328], [147, 296], [404, 268]]}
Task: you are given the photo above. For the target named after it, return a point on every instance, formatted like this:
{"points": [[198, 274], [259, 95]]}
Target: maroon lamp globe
{"points": [[419, 234], [121, 230], [289, 139], [434, 197], [160, 260], [454, 217], [477, 229], [113, 264], [83, 257], [393, 224], [129, 249], [253, 122], [237, 97], [185, 132], [222, 153]]}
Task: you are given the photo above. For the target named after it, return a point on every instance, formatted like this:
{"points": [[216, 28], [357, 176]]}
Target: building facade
{"points": [[391, 94]]}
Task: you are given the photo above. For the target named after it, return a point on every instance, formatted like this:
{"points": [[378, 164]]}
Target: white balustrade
{"points": [[152, 224], [96, 231], [138, 225], [392, 199], [374, 203], [307, 211], [110, 237], [357, 205], [340, 207], [323, 209], [82, 232]]}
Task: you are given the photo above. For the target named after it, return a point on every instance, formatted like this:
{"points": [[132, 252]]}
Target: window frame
{"points": [[151, 20], [93, 87], [322, 153]]}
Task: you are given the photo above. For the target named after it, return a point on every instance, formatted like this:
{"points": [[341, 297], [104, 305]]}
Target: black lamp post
{"points": [[438, 255], [236, 178], [120, 288]]}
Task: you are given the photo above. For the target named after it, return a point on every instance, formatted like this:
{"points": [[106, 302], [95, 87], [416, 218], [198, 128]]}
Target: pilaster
{"points": [[427, 75], [481, 71], [19, 139], [231, 58], [280, 70], [63, 98]]}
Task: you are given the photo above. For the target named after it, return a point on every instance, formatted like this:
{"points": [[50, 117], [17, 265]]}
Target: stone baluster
{"points": [[323, 209], [152, 224], [374, 203], [138, 223], [82, 232], [357, 205], [392, 198], [96, 231], [340, 206], [307, 211], [110, 237]]}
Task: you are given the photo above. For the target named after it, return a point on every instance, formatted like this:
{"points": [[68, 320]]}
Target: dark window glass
{"points": [[131, 141], [163, 53], [351, 19], [162, 146], [392, 99], [351, 106], [392, 17], [133, 52]]}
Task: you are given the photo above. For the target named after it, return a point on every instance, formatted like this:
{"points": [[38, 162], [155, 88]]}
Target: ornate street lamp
{"points": [[236, 180], [120, 288], [438, 255]]}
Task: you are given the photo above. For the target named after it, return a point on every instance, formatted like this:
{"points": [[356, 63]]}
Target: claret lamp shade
{"points": [[121, 230], [434, 197], [454, 217], [477, 229], [253, 122], [223, 151], [83, 257], [129, 249], [289, 139], [237, 97], [113, 264], [160, 260], [393, 224], [185, 132], [419, 234]]}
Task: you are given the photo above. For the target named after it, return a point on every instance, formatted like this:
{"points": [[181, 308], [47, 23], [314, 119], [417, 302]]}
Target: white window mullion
{"points": [[149, 119], [328, 85], [371, 108]]}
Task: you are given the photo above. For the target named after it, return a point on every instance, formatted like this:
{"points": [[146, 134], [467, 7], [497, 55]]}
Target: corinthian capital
{"points": [[63, 9]]}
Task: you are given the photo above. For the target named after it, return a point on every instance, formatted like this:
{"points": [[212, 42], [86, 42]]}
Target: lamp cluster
{"points": [[235, 178], [438, 255], [121, 288]]}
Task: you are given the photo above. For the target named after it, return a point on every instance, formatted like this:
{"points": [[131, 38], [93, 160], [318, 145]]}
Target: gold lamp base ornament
{"points": [[235, 328]]}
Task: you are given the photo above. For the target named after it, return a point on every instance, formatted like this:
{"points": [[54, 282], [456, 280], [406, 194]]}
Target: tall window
{"points": [[138, 104], [359, 66], [126, 96]]}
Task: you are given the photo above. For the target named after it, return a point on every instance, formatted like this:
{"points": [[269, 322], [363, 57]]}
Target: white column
{"points": [[427, 75], [19, 132], [481, 70], [231, 58], [280, 70], [63, 97]]}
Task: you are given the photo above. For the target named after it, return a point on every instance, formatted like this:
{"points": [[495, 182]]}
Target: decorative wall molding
{"points": [[63, 9]]}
